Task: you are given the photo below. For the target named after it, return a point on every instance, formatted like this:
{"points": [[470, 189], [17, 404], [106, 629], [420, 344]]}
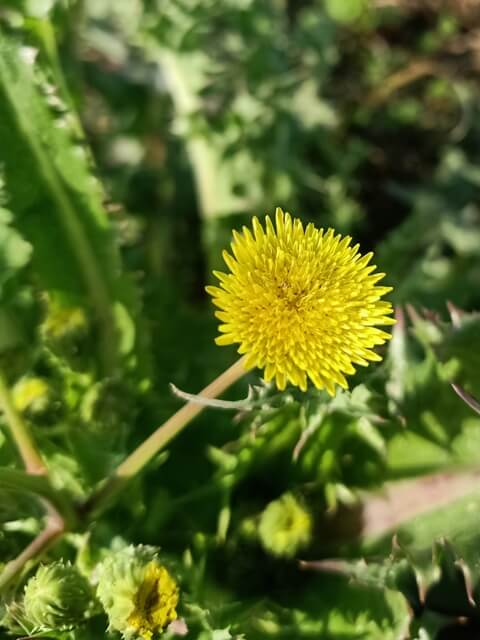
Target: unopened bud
{"points": [[56, 597]]}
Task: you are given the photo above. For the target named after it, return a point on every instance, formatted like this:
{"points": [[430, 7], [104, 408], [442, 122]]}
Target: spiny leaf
{"points": [[439, 429], [56, 201], [332, 608]]}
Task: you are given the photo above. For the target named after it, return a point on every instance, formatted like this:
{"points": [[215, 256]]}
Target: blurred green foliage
{"points": [[134, 136]]}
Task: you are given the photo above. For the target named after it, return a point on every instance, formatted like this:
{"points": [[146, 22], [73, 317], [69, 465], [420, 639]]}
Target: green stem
{"points": [[213, 182], [54, 529], [19, 432], [35, 481], [150, 447]]}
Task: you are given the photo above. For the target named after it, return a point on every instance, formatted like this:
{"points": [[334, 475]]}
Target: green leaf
{"points": [[56, 201], [437, 423], [332, 608], [456, 519], [461, 346], [327, 607], [16, 480]]}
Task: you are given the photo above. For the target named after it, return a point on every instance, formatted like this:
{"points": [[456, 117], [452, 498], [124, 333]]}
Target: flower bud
{"points": [[138, 593], [56, 597], [32, 396], [285, 526]]}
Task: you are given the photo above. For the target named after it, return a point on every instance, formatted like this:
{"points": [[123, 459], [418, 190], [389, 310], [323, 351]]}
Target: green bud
{"points": [[56, 597], [32, 396], [138, 593], [285, 526]]}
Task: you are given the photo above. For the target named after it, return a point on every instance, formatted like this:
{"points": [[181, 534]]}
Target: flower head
{"points": [[301, 303], [285, 526], [138, 593]]}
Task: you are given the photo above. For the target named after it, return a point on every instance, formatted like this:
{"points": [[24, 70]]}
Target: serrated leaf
{"points": [[461, 344], [56, 201], [438, 580], [332, 607]]}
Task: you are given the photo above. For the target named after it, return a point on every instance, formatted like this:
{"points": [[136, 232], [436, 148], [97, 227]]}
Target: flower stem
{"points": [[19, 431], [14, 479], [154, 443], [54, 529]]}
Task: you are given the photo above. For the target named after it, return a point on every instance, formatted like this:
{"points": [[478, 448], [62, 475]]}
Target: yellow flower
{"points": [[139, 595], [155, 602], [301, 303]]}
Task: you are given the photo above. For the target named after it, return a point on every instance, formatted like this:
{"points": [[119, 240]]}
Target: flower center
{"points": [[290, 296]]}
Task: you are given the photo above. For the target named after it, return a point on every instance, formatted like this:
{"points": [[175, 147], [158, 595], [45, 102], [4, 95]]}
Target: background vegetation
{"points": [[133, 137]]}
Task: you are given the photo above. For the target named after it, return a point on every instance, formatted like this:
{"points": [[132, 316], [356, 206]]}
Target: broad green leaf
{"points": [[56, 201]]}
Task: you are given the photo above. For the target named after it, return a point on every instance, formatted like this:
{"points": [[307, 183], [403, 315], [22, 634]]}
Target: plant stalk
{"points": [[16, 480], [54, 529], [20, 432], [150, 447]]}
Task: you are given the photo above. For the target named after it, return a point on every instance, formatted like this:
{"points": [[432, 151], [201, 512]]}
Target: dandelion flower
{"points": [[302, 303]]}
